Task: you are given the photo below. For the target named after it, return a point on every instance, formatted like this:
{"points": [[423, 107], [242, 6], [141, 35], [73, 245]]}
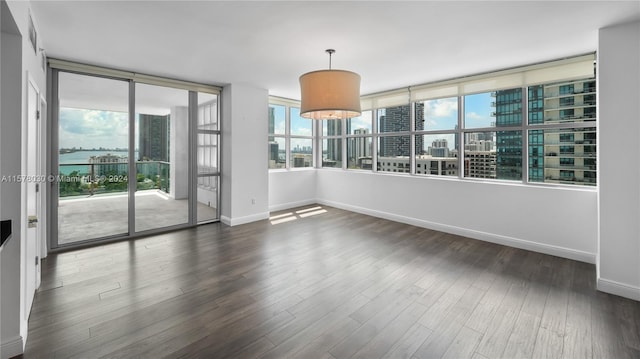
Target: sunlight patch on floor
{"points": [[290, 216]]}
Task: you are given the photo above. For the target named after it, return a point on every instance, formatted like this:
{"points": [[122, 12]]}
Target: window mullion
{"points": [[412, 138], [461, 139]]}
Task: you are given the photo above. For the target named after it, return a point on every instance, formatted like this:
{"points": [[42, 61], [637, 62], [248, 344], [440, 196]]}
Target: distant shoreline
{"points": [[73, 150]]}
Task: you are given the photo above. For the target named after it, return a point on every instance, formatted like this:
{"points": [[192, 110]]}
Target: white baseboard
{"points": [[243, 220], [617, 288], [281, 207], [11, 348], [483, 236]]}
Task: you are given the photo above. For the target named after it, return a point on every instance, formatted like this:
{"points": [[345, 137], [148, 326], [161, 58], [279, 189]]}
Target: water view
{"points": [[78, 160]]}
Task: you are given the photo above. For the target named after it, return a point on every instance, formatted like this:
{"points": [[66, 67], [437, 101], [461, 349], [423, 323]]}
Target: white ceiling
{"points": [[269, 44]]}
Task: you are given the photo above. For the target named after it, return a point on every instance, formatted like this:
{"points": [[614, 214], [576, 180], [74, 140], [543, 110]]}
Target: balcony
{"points": [[571, 180], [584, 91], [88, 179], [586, 117], [94, 200], [570, 105]]}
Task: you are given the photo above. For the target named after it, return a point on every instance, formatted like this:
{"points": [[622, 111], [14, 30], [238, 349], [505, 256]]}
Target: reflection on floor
{"points": [[106, 215]]}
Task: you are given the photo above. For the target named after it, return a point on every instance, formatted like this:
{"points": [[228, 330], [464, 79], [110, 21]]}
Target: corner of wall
{"points": [[616, 288], [11, 347], [618, 257]]}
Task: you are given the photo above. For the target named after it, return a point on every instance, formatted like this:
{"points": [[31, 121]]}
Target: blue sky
{"points": [[442, 114], [477, 111]]}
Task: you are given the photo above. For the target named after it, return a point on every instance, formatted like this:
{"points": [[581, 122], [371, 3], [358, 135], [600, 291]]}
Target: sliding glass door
{"points": [[93, 156], [132, 158], [162, 158]]}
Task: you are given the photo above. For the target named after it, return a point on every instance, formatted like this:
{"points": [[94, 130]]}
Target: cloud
{"points": [[442, 108], [441, 114], [93, 128], [301, 126], [278, 119], [475, 116], [431, 123], [358, 122]]}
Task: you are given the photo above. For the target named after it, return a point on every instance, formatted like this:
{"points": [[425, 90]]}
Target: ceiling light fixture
{"points": [[330, 94]]}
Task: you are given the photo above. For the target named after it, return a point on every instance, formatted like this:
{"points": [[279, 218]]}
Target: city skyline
{"points": [[93, 128]]}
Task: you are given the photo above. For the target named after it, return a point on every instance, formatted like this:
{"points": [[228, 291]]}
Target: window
{"points": [[566, 89], [567, 175], [567, 147], [394, 119], [332, 152], [360, 142], [208, 159], [566, 137], [301, 140], [436, 141], [536, 104], [567, 101], [277, 130], [490, 126], [493, 154], [567, 114], [290, 136], [396, 148]]}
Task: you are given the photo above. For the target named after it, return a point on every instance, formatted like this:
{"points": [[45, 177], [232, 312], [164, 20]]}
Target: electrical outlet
{"points": [[253, 201]]}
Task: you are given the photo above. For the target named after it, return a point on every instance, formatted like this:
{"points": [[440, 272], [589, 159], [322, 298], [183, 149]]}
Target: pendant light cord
{"points": [[330, 52]]}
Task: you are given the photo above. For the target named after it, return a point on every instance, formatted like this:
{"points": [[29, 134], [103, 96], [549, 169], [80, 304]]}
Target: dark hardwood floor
{"points": [[323, 283]]}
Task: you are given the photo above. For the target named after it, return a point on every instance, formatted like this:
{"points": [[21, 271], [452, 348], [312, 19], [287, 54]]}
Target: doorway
{"points": [[33, 183], [125, 157]]}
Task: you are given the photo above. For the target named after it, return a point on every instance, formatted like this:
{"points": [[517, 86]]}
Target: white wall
{"points": [[10, 162], [618, 152], [14, 89], [179, 155], [294, 188], [510, 214], [600, 226], [245, 180], [545, 219]]}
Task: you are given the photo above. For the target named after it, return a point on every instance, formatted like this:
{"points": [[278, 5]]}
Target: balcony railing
{"points": [[587, 117], [584, 91], [86, 179], [565, 106]]}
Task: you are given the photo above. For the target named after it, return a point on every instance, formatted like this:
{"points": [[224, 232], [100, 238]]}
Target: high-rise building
{"points": [[272, 122], [108, 165], [274, 152], [555, 156], [508, 112], [535, 105], [332, 146], [480, 164], [397, 119], [439, 148], [153, 137], [569, 154], [480, 155], [274, 147], [359, 147]]}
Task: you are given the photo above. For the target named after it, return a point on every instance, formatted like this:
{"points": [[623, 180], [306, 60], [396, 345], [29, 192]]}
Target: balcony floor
{"points": [[82, 218]]}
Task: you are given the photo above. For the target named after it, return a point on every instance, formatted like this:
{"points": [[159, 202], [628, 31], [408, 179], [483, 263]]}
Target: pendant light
{"points": [[330, 94]]}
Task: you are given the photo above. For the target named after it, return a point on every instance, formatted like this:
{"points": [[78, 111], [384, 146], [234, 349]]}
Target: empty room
{"points": [[320, 179]]}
